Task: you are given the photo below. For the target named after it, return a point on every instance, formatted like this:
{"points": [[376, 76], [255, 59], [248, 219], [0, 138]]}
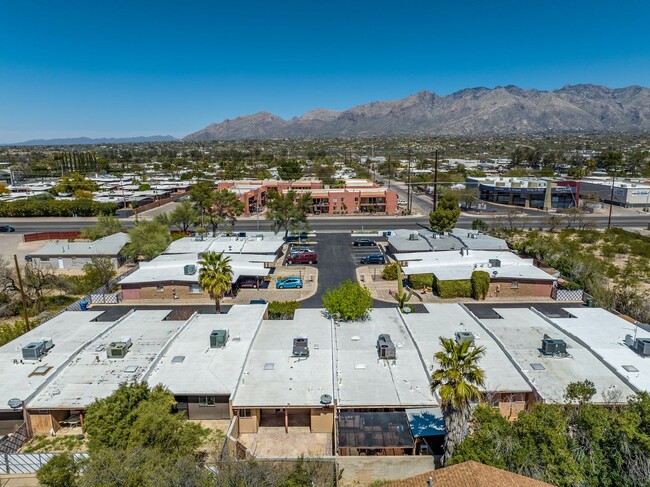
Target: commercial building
{"points": [[626, 193], [401, 242], [75, 255], [543, 194]]}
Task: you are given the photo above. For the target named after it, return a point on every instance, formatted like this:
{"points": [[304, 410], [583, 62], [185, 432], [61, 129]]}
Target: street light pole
{"points": [[435, 184], [611, 203]]}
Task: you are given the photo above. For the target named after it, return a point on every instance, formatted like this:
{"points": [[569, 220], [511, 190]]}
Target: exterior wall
{"points": [[250, 424], [503, 288], [365, 470], [42, 423], [71, 263], [220, 410], [322, 420], [629, 197], [169, 289]]}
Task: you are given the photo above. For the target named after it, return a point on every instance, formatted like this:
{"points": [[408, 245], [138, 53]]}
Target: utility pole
{"points": [[390, 170], [611, 202], [257, 209], [408, 188], [22, 293], [435, 184]]}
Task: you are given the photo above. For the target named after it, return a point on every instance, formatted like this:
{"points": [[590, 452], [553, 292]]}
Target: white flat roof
{"points": [[110, 245], [205, 370], [444, 320], [90, 375], [365, 380], [266, 243], [521, 331], [273, 377], [604, 333], [69, 331]]}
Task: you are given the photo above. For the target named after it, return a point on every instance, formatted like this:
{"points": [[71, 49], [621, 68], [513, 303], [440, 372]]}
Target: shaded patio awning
{"points": [[374, 430], [426, 422]]}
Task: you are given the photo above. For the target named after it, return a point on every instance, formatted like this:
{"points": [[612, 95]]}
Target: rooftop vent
{"points": [[414, 236], [494, 262], [639, 345], [630, 368], [131, 369], [269, 366], [553, 346], [218, 338], [537, 366], [386, 347], [300, 347], [189, 270], [464, 336], [178, 359], [326, 399]]}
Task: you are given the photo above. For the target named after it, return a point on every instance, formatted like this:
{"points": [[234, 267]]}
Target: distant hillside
{"points": [[89, 141], [475, 111]]}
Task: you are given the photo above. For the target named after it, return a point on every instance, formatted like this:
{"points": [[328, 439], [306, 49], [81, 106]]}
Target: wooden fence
{"points": [[33, 237]]}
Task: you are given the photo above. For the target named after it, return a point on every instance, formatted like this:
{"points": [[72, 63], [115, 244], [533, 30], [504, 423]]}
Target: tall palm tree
{"points": [[215, 276], [457, 381]]}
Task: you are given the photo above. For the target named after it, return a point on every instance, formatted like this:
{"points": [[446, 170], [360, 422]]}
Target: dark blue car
{"points": [[373, 259]]}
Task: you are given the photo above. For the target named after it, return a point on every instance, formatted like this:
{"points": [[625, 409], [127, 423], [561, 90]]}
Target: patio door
{"points": [[60, 263]]}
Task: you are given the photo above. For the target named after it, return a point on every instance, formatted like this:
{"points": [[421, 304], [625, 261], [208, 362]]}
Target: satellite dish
{"points": [[14, 403]]}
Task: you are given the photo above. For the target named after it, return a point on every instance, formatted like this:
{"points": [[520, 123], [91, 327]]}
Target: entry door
{"points": [[60, 263]]}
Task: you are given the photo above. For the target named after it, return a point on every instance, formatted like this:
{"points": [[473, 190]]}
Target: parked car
{"points": [[303, 258], [373, 259], [402, 202], [7, 228], [289, 283], [363, 242], [248, 282], [258, 301]]}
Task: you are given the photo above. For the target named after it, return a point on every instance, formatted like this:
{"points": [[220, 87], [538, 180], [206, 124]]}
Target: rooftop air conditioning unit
{"points": [[414, 236], [464, 336], [553, 346], [386, 348], [47, 343], [218, 338], [189, 270], [198, 237], [33, 351], [300, 347], [117, 350], [642, 346], [494, 262]]}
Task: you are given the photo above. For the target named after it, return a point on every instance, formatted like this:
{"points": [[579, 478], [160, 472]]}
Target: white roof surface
{"points": [[273, 377], [110, 245], [444, 320], [91, 375], [521, 331], [205, 370], [69, 331], [604, 333], [452, 265], [267, 243], [365, 380]]}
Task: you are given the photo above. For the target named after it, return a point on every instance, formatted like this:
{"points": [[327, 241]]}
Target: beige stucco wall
{"points": [[322, 420], [250, 425]]}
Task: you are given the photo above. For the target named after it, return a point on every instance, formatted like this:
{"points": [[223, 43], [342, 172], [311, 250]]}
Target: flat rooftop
{"points": [[253, 243], [604, 334], [190, 367], [274, 377], [365, 380], [90, 375], [69, 332], [444, 320], [521, 332]]}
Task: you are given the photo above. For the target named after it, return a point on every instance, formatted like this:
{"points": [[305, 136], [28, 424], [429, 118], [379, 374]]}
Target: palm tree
{"points": [[215, 276], [457, 381]]}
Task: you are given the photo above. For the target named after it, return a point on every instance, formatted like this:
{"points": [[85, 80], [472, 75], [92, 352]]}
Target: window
{"points": [[244, 413], [160, 288], [45, 259], [74, 261], [514, 285], [206, 401], [195, 289]]}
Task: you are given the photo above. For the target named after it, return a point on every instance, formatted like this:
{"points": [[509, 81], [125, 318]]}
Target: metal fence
{"points": [[27, 463]]}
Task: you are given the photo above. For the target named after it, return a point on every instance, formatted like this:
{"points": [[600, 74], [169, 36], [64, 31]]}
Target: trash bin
{"points": [[83, 304], [590, 302]]}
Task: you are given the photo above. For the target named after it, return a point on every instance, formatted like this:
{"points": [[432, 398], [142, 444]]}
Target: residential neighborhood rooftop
{"points": [[110, 245]]}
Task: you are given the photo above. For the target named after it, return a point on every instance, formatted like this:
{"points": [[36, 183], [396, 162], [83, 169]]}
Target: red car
{"points": [[248, 282], [303, 258]]}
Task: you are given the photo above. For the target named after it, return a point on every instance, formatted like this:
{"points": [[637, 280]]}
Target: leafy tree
{"points": [[4, 189], [466, 197], [580, 392], [444, 218], [288, 211], [73, 182], [106, 225], [60, 471], [390, 271], [349, 301], [144, 187], [99, 272], [457, 381], [183, 216], [215, 276], [290, 169], [82, 194], [225, 207], [479, 224], [201, 196], [147, 240]]}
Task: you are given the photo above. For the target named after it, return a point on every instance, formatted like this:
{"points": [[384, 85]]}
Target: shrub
{"points": [[349, 301], [282, 310], [480, 284], [569, 286], [30, 207], [461, 288], [390, 271], [419, 281], [479, 224]]}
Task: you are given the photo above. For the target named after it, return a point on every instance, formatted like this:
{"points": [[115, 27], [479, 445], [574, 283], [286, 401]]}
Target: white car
{"points": [[402, 203]]}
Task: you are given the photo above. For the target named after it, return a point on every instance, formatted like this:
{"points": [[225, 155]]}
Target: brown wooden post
{"points": [[22, 294], [286, 420]]}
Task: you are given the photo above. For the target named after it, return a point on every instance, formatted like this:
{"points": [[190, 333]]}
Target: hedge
{"points": [[419, 281], [461, 288], [282, 310], [31, 207], [480, 284]]}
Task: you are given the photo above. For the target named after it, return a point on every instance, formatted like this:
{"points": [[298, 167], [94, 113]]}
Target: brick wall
{"points": [[182, 291]]}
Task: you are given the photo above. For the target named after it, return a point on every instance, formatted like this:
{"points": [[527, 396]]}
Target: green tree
{"points": [[99, 272], [444, 218], [581, 392], [106, 225], [457, 382], [480, 284], [215, 276], [183, 216], [60, 471], [349, 301], [225, 207], [147, 240], [466, 197], [288, 211], [73, 182], [290, 169], [201, 196]]}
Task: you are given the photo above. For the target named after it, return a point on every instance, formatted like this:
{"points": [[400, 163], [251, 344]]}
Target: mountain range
{"points": [[475, 111], [89, 141]]}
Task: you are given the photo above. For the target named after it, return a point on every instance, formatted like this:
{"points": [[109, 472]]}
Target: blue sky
{"points": [[85, 68]]}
